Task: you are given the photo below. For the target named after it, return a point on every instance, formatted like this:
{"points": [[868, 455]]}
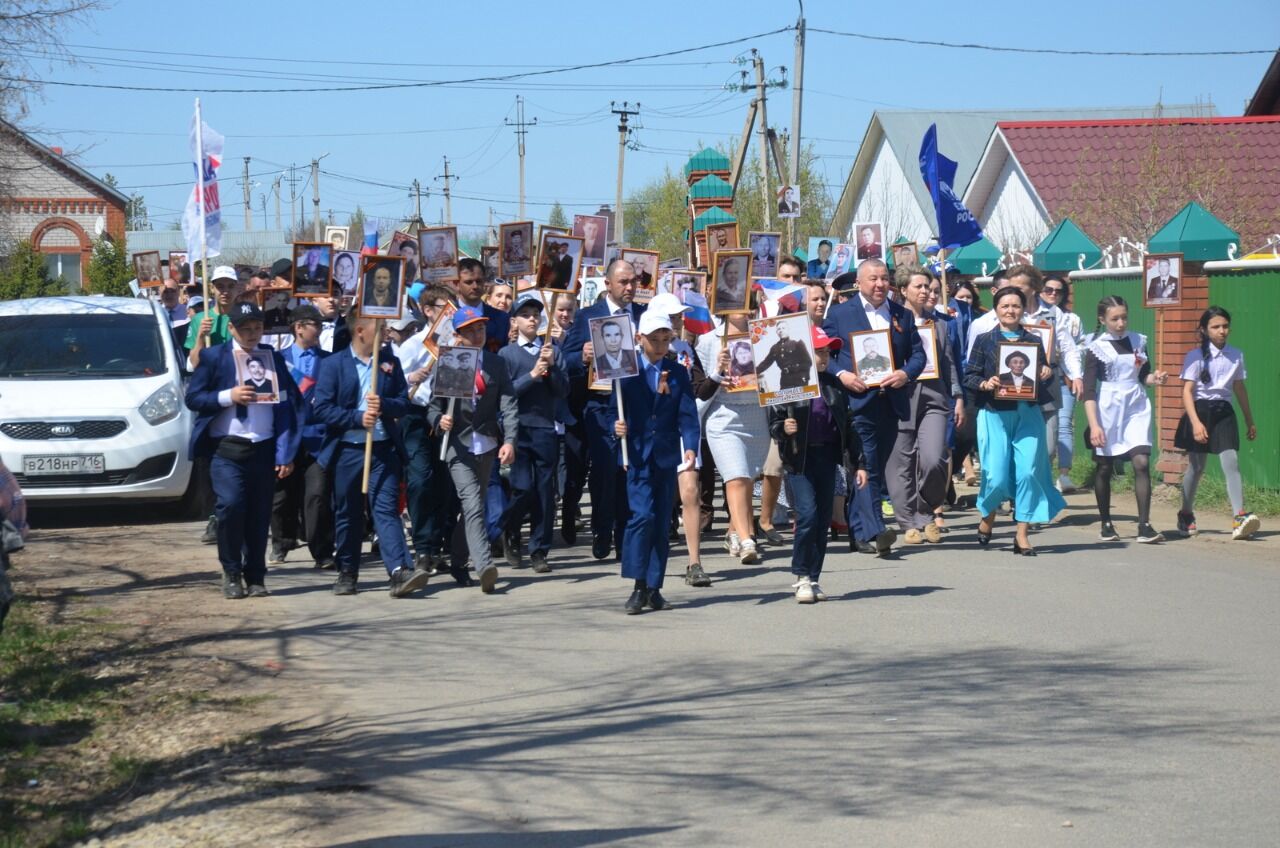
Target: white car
{"points": [[91, 402]]}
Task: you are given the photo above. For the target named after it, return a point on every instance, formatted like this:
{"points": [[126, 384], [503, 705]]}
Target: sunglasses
{"points": [[1054, 289]]}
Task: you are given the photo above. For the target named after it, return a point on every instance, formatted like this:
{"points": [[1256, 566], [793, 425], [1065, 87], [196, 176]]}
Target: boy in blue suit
{"points": [[659, 404], [876, 410], [349, 408], [540, 383], [249, 445]]}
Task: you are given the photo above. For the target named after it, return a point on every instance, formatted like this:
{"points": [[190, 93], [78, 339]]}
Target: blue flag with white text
{"points": [[956, 224]]}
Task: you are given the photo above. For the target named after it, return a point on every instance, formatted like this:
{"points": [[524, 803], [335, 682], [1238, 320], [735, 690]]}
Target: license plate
{"points": [[86, 463]]}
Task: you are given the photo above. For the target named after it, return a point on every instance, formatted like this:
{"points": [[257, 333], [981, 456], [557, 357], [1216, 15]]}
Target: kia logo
{"points": [[62, 430]]}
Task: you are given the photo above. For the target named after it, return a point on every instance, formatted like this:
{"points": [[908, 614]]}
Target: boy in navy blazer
{"points": [[660, 413], [541, 384], [249, 445], [349, 408], [876, 410]]}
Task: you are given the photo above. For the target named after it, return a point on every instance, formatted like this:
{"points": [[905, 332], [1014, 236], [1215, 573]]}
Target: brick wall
{"points": [[1176, 333]]}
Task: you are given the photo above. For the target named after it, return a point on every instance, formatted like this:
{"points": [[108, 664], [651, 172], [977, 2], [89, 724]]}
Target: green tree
{"points": [[656, 217], [355, 237], [108, 272], [23, 274], [557, 217], [816, 205]]}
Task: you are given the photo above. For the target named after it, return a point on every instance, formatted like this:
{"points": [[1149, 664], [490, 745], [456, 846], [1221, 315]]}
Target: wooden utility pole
{"points": [[797, 98], [623, 114], [763, 142]]}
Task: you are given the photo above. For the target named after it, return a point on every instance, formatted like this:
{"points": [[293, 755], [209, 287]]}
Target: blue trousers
{"points": [[433, 504], [650, 493], [1015, 464], [811, 495], [877, 426], [607, 482], [575, 468], [532, 490], [384, 505], [495, 503], [243, 489]]}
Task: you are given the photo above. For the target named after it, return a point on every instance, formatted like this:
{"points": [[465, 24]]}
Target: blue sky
{"points": [[392, 137]]}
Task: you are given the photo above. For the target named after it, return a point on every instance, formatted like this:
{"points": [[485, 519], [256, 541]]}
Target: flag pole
{"points": [[368, 436], [942, 266], [204, 259]]}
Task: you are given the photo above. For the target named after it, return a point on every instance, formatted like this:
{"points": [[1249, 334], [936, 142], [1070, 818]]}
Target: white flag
{"points": [[206, 163]]}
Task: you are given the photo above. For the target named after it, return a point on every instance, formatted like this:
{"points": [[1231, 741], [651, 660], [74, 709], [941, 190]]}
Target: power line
{"points": [[402, 85], [1161, 54]]}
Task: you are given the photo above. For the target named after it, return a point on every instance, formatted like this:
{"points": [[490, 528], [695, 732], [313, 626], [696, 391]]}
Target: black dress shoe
{"points": [[568, 532], [861, 547], [656, 601], [1018, 550], [600, 547], [635, 604], [461, 576], [770, 534]]}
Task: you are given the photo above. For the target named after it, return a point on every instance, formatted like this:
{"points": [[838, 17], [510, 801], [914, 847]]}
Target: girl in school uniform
{"points": [[1116, 374], [1211, 375]]}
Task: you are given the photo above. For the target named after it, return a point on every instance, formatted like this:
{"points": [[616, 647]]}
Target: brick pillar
{"points": [[1180, 326]]}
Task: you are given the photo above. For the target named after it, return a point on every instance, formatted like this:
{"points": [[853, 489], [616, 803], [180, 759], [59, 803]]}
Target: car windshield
{"points": [[85, 346]]}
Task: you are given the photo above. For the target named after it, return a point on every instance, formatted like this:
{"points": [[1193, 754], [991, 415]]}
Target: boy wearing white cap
{"points": [[659, 413]]}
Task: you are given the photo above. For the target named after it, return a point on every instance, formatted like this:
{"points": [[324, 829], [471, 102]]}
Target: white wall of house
{"points": [[886, 196], [1012, 218]]}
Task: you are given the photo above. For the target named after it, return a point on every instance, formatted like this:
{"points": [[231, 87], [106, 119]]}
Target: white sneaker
{"points": [[1244, 525], [818, 594], [804, 591], [731, 543], [1065, 485], [747, 553]]}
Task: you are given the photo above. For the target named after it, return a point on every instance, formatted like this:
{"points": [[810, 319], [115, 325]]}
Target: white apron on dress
{"points": [[1124, 412]]}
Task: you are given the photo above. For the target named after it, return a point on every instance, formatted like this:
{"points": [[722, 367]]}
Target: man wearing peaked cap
{"points": [[249, 445]]}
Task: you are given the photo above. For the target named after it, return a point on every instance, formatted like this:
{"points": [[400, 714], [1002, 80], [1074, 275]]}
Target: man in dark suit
{"points": [[476, 431], [605, 482], [541, 383], [564, 267], [249, 444], [614, 360], [791, 357], [1015, 382], [659, 405], [470, 289], [868, 246], [876, 411], [304, 494], [1163, 286], [311, 276], [257, 372], [350, 409]]}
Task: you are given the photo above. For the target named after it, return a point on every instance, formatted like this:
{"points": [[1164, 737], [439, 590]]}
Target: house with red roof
{"points": [[1126, 178]]}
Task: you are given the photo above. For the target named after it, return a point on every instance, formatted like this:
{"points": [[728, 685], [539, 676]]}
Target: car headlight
{"points": [[163, 405]]}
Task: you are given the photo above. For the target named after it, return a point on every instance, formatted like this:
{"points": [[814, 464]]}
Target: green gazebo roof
{"points": [[969, 259], [1194, 233], [706, 159], [1061, 249], [711, 187], [714, 215]]}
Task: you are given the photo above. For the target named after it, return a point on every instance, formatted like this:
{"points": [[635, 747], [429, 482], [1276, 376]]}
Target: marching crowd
{"points": [[488, 478]]}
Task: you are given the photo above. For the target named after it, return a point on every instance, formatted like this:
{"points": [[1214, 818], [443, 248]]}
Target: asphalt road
{"points": [[1099, 695]]}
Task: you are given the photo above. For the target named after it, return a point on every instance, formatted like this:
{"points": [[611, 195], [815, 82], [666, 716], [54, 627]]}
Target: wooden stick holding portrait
{"points": [[622, 416], [455, 379], [373, 389]]}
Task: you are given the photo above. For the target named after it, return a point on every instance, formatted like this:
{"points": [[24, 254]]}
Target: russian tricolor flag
{"points": [[789, 296], [698, 319], [370, 246]]}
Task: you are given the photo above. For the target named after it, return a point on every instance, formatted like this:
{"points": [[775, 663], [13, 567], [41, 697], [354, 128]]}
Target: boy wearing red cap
{"points": [[813, 438], [474, 436]]}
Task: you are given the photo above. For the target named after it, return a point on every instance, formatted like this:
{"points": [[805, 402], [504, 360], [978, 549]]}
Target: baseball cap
{"points": [[225, 272], [281, 268], [467, 315], [196, 303], [821, 340], [243, 313], [652, 320], [527, 297], [666, 303]]}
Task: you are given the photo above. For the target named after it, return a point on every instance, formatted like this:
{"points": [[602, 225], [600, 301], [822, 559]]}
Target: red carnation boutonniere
{"points": [[663, 389], [387, 368], [896, 325]]}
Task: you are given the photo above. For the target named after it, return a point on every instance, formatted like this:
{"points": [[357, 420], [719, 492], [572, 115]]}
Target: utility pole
{"points": [[416, 194], [293, 198], [520, 124], [490, 236], [248, 198], [763, 142], [446, 176], [797, 98], [315, 199], [275, 186], [623, 114], [263, 198]]}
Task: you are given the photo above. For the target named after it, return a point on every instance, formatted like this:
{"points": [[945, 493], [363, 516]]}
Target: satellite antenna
{"points": [[99, 226]]}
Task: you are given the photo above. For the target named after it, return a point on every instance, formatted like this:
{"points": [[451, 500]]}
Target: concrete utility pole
{"points": [[623, 115], [263, 198], [315, 199], [275, 186], [490, 235], [248, 204], [797, 98], [446, 176], [763, 143], [293, 198], [416, 194], [520, 124]]}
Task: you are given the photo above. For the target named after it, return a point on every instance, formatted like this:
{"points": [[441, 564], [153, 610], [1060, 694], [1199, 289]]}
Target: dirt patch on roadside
{"points": [[139, 708]]}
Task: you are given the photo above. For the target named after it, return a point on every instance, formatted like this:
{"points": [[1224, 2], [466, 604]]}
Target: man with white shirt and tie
{"points": [[876, 411], [540, 382], [1163, 286], [607, 484]]}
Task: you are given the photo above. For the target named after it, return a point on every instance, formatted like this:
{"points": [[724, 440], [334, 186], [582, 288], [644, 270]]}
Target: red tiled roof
{"points": [[1231, 166]]}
